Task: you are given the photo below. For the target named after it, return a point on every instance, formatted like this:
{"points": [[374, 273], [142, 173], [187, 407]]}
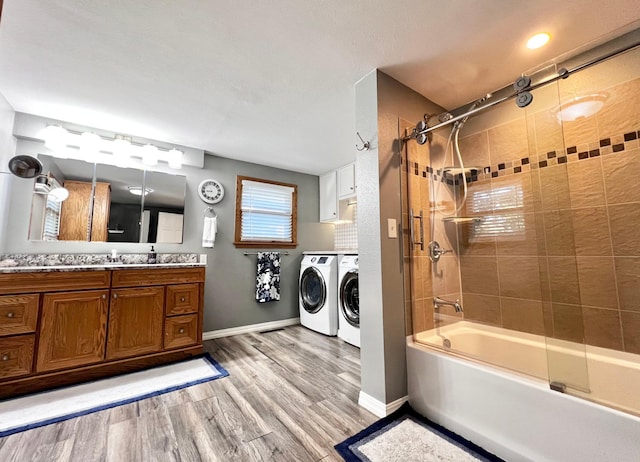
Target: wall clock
{"points": [[211, 191]]}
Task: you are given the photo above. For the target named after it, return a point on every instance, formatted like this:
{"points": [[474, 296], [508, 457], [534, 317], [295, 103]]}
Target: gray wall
{"points": [[7, 151], [230, 286], [380, 102]]}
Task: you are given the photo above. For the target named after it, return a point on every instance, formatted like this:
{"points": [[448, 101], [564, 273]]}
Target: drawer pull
{"points": [[181, 330], [115, 295], [182, 299], [10, 314], [5, 357], [104, 296]]}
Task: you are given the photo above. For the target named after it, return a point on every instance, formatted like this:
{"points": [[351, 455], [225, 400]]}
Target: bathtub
{"points": [[516, 415]]}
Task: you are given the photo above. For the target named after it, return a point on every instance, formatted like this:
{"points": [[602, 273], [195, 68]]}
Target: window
{"points": [[266, 213]]}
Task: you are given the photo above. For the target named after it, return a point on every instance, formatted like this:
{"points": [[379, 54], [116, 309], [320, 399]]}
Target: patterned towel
{"points": [[268, 277]]}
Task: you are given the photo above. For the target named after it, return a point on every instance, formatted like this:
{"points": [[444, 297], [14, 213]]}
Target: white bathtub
{"points": [[518, 417]]}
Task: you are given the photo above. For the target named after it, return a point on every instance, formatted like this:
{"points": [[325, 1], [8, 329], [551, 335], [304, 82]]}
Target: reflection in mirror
{"points": [[113, 212], [163, 207]]}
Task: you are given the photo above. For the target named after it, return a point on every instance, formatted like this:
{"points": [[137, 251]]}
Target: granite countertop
{"points": [[38, 263]]}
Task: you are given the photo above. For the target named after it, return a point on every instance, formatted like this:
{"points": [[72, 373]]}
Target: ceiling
{"points": [[272, 82]]}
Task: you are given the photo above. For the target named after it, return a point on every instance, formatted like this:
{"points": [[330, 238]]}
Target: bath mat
{"points": [[406, 435], [39, 409]]}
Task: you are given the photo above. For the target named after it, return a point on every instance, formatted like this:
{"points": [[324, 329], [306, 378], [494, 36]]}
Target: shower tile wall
{"points": [[557, 252]]}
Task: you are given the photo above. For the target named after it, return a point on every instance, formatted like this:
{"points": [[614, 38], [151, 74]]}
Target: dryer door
{"points": [[349, 300], [313, 290]]}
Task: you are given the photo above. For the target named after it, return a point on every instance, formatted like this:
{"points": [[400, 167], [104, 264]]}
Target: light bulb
{"points": [[175, 158], [55, 138], [90, 143], [149, 155]]}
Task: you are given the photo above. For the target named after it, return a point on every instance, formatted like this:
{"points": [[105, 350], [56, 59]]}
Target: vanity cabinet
{"points": [[60, 328]]}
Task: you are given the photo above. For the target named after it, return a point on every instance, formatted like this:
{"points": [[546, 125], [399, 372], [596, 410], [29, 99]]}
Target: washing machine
{"points": [[348, 300], [317, 293]]}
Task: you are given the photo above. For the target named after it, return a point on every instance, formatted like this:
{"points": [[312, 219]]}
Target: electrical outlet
{"points": [[392, 230]]}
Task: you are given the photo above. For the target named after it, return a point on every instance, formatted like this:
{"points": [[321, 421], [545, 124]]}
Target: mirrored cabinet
{"points": [[106, 203]]}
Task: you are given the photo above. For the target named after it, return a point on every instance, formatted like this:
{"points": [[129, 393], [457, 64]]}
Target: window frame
{"points": [[238, 222]]}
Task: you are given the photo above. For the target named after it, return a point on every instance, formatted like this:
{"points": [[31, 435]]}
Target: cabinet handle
{"points": [[5, 357], [182, 299], [104, 296], [10, 314], [181, 330], [115, 295]]}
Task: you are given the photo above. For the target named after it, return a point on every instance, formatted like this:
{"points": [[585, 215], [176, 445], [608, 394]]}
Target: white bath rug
{"points": [[407, 436], [38, 409]]}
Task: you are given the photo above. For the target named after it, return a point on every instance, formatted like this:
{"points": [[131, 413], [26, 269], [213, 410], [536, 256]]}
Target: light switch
{"points": [[203, 258], [392, 230]]}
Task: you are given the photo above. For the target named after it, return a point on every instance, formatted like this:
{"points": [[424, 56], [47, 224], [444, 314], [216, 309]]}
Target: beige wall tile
{"points": [[631, 331], [563, 280], [482, 308], [602, 328], [471, 242], [548, 132], [621, 113], [519, 277], [408, 318], [525, 243], [547, 314], [559, 234], [419, 316], [597, 282], [479, 275], [545, 285], [417, 288], [555, 188], [591, 231], [513, 193], [620, 176], [446, 276], [586, 186], [475, 149], [628, 279], [624, 220], [508, 142], [522, 315], [568, 323], [580, 131]]}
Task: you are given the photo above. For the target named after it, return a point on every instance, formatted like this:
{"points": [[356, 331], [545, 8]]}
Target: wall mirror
{"points": [[114, 209]]}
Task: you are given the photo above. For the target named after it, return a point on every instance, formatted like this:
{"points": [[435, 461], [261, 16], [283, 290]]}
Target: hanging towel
{"points": [[209, 230], [268, 277]]}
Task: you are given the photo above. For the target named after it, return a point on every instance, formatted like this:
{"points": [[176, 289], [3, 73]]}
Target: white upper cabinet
{"points": [[347, 181], [328, 197]]}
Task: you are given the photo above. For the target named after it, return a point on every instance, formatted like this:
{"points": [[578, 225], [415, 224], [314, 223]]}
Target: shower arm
{"points": [[563, 73]]}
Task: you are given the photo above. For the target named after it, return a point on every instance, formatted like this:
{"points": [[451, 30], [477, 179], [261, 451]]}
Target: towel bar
{"points": [[256, 253]]}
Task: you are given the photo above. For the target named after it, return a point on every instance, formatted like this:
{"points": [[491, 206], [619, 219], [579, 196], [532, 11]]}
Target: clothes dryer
{"points": [[317, 293], [348, 300]]}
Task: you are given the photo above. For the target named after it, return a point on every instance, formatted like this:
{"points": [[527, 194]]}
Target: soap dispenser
{"points": [[151, 257]]}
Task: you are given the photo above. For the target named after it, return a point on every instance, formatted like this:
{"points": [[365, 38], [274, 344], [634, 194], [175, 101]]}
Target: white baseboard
{"points": [[250, 328], [379, 408]]}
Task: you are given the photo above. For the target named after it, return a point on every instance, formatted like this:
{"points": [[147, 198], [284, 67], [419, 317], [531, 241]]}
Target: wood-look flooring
{"points": [[291, 396]]}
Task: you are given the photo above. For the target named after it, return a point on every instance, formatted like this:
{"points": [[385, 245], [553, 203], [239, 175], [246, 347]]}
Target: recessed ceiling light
{"points": [[538, 40]]}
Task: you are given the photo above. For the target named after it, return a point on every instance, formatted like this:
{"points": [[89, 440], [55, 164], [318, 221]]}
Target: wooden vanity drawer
{"points": [[16, 355], [18, 314], [156, 276], [182, 299], [180, 331], [27, 282]]}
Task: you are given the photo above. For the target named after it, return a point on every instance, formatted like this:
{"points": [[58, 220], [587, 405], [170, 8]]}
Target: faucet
{"points": [[437, 302], [114, 256]]}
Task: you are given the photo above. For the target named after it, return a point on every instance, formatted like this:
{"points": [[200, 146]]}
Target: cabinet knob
{"points": [[181, 330], [182, 299], [5, 357], [115, 295], [104, 296], [10, 314]]}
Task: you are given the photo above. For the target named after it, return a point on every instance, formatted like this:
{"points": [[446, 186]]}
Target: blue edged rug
{"points": [[39, 409], [405, 436]]}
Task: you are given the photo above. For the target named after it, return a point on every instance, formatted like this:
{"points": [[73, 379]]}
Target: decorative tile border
{"points": [[605, 146]]}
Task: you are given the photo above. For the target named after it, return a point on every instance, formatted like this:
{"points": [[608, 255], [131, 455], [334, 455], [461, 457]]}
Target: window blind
{"points": [[51, 225], [267, 211]]}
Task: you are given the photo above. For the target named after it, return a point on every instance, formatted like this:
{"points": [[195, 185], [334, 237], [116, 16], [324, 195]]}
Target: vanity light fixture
{"points": [[538, 40], [137, 190], [117, 151], [58, 194]]}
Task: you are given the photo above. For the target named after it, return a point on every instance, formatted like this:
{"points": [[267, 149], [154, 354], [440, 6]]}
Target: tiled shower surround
{"points": [[555, 249]]}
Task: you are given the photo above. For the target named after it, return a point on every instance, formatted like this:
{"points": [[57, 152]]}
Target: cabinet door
{"points": [[101, 208], [72, 329], [347, 181], [74, 212], [135, 321], [328, 197]]}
